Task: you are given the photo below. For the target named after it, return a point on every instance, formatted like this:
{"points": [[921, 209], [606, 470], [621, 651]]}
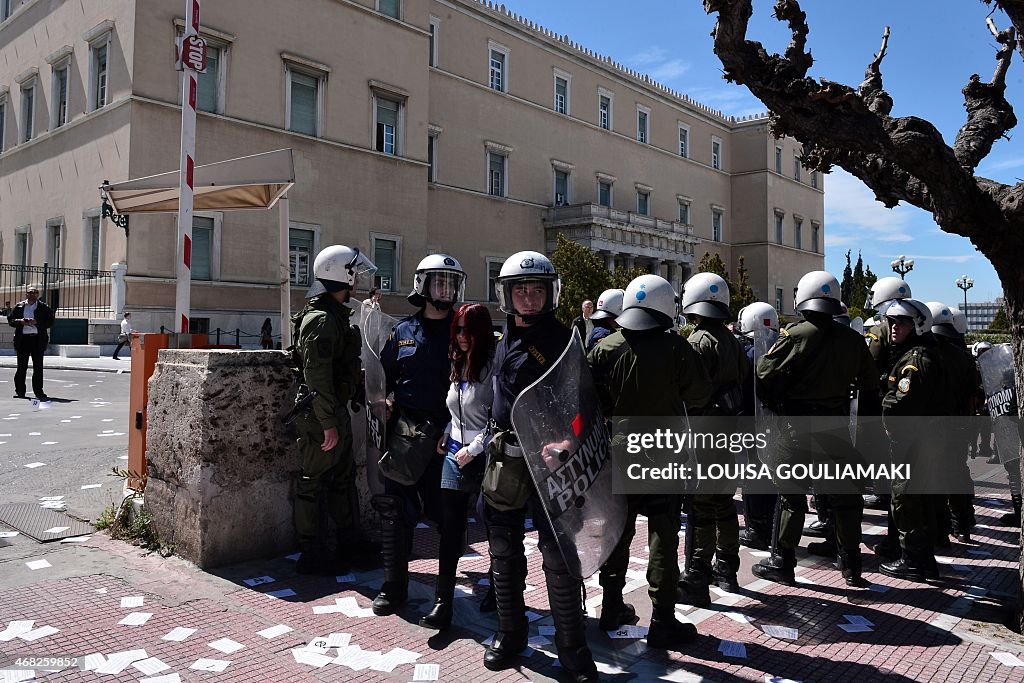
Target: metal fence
{"points": [[70, 292]]}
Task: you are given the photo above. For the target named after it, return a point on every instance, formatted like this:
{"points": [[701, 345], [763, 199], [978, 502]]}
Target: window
{"points": [[561, 188], [303, 103], [431, 158], [643, 202], [94, 242], [208, 98], [496, 174], [386, 137], [716, 153], [684, 140], [22, 239], [796, 168], [435, 27], [798, 238], [778, 228], [202, 248], [498, 64], [814, 237], [561, 95], [100, 77], [493, 270], [300, 251], [604, 193], [642, 125], [28, 110], [54, 251], [391, 8], [604, 112], [385, 256], [684, 213], [778, 299], [814, 179], [5, 9], [778, 160], [716, 225], [3, 124], [60, 96]]}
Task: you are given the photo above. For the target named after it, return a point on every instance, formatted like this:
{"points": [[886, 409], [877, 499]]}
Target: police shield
{"points": [[999, 380], [566, 446], [375, 327], [765, 420], [857, 325]]}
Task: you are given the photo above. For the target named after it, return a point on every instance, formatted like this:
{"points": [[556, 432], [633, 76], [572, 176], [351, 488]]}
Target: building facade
{"points": [[981, 314], [436, 125]]}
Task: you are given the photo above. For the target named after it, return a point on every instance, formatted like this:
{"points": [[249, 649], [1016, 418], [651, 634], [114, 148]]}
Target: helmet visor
{"points": [[445, 286], [528, 296], [363, 271]]}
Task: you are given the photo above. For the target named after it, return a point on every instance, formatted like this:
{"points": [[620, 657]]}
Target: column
{"points": [[609, 261], [630, 261], [117, 289]]}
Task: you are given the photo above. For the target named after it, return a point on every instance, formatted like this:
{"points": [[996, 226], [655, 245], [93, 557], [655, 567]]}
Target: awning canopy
{"points": [[252, 182]]}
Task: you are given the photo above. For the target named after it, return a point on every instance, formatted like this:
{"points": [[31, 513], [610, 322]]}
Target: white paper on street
{"points": [[8, 534], [421, 525], [768, 678], [132, 601], [760, 553], [546, 630], [36, 634], [628, 632], [258, 581], [56, 529], [38, 564], [150, 666], [346, 578], [339, 639], [75, 539], [92, 486], [119, 661], [1007, 658], [136, 619], [878, 588], [294, 557], [283, 593], [783, 632], [274, 631], [226, 645], [396, 657], [533, 616], [93, 662], [731, 648], [16, 628], [856, 628], [179, 634], [979, 553], [857, 619], [538, 641], [214, 665], [482, 582], [738, 618], [363, 659], [33, 465], [310, 657], [426, 672]]}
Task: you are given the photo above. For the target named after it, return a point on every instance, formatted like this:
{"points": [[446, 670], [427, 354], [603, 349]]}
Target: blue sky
{"points": [[934, 47]]}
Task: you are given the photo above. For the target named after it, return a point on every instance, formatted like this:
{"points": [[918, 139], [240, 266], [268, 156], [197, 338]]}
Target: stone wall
{"points": [[221, 465]]}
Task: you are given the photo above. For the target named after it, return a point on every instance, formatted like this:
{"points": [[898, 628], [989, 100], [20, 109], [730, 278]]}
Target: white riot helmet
{"points": [[648, 303], [523, 267], [756, 316], [913, 309], [707, 295], [439, 280], [888, 289], [609, 305], [942, 319], [959, 320], [339, 267], [844, 317], [818, 292], [980, 348]]}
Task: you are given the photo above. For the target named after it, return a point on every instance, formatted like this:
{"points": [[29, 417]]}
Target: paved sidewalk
{"points": [[102, 364], [943, 631]]}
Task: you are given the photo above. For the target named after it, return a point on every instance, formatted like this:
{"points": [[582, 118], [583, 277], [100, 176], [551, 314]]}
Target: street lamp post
{"points": [[965, 283], [902, 266]]}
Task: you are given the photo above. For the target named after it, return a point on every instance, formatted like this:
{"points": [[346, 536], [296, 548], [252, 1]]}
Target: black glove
{"points": [[358, 399]]}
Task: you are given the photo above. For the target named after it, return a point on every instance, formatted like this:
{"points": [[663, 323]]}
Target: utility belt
{"points": [[411, 446], [510, 445], [506, 484]]}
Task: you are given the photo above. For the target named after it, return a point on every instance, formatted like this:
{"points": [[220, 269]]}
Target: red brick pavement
{"points": [[903, 646]]}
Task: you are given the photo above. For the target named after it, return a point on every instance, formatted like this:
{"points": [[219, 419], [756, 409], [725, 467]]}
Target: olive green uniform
{"points": [[715, 525], [963, 376], [809, 371], [917, 385], [649, 373], [328, 347]]}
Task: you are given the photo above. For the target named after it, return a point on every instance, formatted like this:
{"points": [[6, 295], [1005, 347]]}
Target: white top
{"points": [[30, 313], [126, 326], [467, 425]]}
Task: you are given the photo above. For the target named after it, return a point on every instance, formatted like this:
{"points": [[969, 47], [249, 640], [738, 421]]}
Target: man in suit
{"points": [[31, 320]]}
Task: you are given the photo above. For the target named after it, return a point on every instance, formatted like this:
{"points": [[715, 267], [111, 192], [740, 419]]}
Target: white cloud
{"points": [[673, 68], [648, 56], [960, 258], [854, 216]]}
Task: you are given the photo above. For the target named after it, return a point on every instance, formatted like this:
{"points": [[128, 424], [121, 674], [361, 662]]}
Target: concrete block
{"points": [[221, 465], [75, 350]]}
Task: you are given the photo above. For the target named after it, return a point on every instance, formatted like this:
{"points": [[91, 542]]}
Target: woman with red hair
{"points": [[463, 444]]}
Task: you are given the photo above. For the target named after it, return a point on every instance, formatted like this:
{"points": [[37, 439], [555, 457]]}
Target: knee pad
{"points": [[388, 507], [504, 543]]}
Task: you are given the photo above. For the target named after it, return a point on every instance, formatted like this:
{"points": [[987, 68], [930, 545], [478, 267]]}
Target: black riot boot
{"points": [[489, 603], [440, 617], [395, 537], [1012, 518], [851, 566], [693, 587], [780, 567], [614, 611], [566, 600], [826, 548], [508, 578], [725, 573], [667, 632]]}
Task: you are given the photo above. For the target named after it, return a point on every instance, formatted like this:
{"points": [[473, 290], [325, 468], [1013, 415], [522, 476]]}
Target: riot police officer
{"points": [[609, 305], [714, 525], [527, 289], [809, 372], [644, 369], [327, 348], [416, 367], [757, 319]]}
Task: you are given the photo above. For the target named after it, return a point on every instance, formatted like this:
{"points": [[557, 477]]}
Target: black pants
{"points": [[29, 346], [118, 349], [454, 515]]}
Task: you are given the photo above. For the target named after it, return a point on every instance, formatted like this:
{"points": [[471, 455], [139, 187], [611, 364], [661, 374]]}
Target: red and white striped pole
{"points": [[190, 90]]}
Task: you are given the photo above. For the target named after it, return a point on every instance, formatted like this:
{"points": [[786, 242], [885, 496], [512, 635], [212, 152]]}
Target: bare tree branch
{"points": [[1014, 10], [989, 115], [871, 90], [796, 54]]}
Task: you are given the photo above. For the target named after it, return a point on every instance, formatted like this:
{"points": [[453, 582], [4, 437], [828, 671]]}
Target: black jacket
{"points": [[44, 320]]}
